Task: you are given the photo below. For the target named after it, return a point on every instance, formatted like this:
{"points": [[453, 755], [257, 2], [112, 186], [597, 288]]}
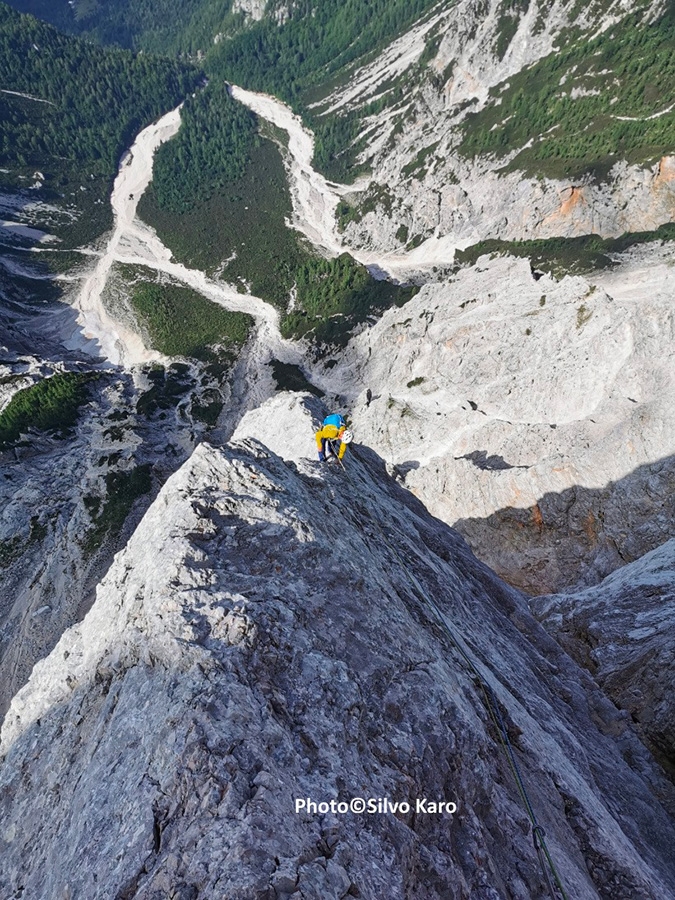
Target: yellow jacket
{"points": [[330, 433]]}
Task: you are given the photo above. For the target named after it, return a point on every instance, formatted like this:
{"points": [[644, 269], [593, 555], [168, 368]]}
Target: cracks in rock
{"points": [[130, 888], [609, 880], [156, 832]]}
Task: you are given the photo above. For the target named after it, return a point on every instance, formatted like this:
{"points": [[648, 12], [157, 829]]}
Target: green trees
{"points": [[88, 102], [313, 49], [158, 26], [181, 322], [244, 222], [334, 295], [566, 256], [52, 405], [319, 39], [587, 105], [211, 149], [295, 60]]}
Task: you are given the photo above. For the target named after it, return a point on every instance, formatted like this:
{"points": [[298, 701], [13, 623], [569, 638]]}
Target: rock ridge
{"points": [[255, 643]]}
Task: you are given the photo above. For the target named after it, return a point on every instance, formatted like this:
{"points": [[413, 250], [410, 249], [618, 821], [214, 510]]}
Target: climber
{"points": [[333, 431]]}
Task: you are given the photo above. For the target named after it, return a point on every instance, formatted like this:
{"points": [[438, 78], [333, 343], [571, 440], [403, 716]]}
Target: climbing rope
{"points": [[492, 704]]}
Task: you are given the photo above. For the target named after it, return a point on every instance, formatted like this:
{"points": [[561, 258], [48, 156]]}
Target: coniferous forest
{"points": [[83, 104], [211, 149], [311, 48], [157, 26]]}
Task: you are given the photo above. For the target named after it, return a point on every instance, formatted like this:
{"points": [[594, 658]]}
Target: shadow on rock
{"points": [[259, 641], [575, 538]]}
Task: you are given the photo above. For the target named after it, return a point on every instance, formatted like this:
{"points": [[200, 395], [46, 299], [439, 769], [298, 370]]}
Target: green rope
{"points": [[492, 704]]}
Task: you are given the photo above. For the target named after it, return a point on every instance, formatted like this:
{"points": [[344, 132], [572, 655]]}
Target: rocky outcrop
{"points": [[63, 510], [260, 641], [532, 414], [253, 10], [467, 202], [622, 632]]}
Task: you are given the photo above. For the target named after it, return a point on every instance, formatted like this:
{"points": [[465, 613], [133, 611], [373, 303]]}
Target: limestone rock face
{"points": [[622, 631], [463, 202], [533, 415], [261, 640], [50, 488], [286, 422], [254, 10]]}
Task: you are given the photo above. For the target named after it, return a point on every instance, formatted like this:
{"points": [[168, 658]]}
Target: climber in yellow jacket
{"points": [[333, 432]]}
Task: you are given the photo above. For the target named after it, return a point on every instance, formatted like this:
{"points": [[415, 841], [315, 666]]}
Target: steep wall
{"points": [[621, 631], [71, 497], [259, 641], [532, 414]]}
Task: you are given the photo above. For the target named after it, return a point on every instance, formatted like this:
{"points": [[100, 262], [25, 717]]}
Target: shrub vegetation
{"points": [[564, 256], [334, 295], [180, 322], [52, 405], [123, 489]]}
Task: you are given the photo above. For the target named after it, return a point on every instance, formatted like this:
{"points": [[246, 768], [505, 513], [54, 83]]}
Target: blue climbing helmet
{"points": [[336, 420]]}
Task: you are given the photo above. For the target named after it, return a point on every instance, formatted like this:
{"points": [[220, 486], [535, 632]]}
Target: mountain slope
{"points": [[471, 121], [159, 26], [235, 660], [68, 111], [515, 122]]}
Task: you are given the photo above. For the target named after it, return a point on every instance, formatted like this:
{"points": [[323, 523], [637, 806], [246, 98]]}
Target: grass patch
{"points": [[509, 20], [583, 315], [180, 322], [123, 489], [52, 405], [345, 213], [378, 196], [402, 233], [566, 256], [11, 550]]}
